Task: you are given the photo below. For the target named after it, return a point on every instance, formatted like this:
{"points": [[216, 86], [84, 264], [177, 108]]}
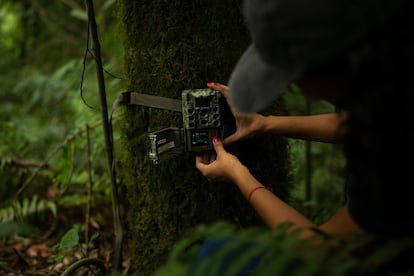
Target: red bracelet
{"points": [[254, 190]]}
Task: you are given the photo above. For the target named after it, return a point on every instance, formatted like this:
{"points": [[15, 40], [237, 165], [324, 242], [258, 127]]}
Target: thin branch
{"points": [[72, 166], [85, 55], [96, 49], [25, 163], [61, 146], [90, 183], [46, 161]]}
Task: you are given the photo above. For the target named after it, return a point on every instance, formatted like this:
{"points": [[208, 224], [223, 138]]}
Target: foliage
{"points": [[326, 161], [52, 155], [26, 208], [70, 242], [282, 252], [21, 229], [42, 107]]}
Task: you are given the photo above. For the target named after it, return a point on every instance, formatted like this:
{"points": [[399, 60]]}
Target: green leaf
{"points": [[94, 236], [70, 239], [52, 207], [79, 14]]}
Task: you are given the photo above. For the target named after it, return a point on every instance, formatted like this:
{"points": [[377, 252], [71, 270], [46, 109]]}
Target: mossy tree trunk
{"points": [[171, 46]]}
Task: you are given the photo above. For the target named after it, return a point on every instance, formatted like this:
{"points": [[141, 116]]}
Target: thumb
{"points": [[218, 145]]}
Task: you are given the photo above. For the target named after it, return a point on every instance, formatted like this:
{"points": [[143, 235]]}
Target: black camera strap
{"points": [[202, 120], [135, 98]]}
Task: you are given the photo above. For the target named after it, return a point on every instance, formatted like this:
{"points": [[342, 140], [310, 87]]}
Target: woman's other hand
{"points": [[247, 125], [219, 165]]}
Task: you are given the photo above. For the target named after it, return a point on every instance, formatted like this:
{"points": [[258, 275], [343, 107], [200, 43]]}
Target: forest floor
{"points": [[37, 254]]}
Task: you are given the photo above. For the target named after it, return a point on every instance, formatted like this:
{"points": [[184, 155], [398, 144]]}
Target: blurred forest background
{"points": [[55, 191]]}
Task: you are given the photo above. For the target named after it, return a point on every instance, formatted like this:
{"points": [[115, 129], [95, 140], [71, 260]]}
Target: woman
{"points": [[358, 55], [364, 68]]}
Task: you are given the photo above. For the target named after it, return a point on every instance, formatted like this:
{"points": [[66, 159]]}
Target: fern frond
{"points": [[26, 208], [282, 252]]}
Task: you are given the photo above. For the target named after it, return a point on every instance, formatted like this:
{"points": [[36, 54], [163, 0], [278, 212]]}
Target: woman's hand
{"points": [[247, 125], [219, 165]]}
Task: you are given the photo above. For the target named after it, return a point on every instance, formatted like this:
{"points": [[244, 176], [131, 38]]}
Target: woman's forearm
{"points": [[271, 209], [329, 127], [274, 211]]}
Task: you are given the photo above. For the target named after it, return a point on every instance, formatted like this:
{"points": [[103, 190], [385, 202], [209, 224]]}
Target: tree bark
{"points": [[171, 46]]}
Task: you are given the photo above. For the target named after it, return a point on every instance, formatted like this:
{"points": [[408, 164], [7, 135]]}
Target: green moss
{"points": [[171, 46]]}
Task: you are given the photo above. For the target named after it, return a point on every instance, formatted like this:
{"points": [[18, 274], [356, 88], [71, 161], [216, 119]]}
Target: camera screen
{"points": [[199, 138], [202, 101]]}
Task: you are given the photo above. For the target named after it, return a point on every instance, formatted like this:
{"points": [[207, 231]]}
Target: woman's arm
{"points": [[329, 128], [223, 166], [274, 211], [271, 209]]}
